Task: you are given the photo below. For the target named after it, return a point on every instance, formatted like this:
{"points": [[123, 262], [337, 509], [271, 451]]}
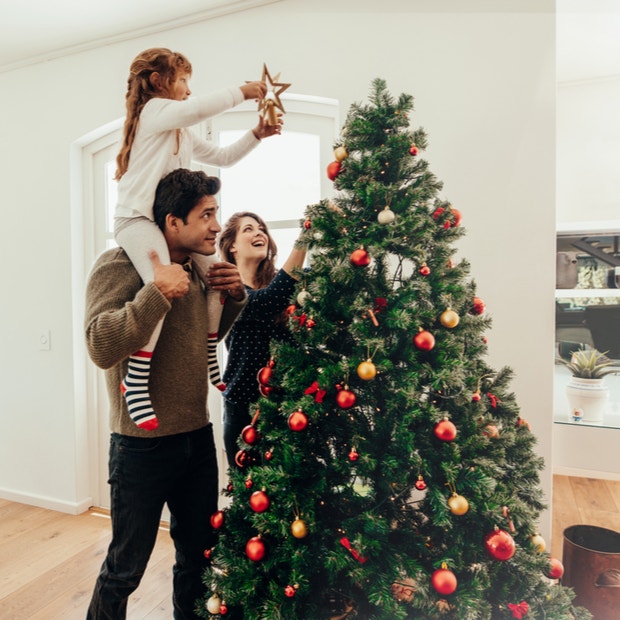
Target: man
{"points": [[175, 463]]}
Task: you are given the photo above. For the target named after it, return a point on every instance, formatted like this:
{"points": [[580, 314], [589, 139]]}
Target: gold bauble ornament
{"points": [[213, 605], [539, 542], [449, 318], [367, 370], [340, 153], [458, 504], [299, 529]]}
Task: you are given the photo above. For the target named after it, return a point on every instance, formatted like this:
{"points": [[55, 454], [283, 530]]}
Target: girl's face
{"points": [[251, 241], [179, 89]]}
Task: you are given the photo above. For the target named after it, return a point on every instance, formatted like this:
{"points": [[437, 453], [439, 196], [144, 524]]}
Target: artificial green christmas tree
{"points": [[387, 473]]}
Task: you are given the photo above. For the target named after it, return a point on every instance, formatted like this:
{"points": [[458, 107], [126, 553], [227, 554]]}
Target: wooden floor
{"points": [[49, 560]]}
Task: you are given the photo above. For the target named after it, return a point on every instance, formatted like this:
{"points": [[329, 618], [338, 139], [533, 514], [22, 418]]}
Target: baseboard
{"points": [[72, 508], [586, 473]]}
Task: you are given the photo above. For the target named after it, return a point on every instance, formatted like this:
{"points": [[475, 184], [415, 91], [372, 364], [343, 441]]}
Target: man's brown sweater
{"points": [[121, 314]]}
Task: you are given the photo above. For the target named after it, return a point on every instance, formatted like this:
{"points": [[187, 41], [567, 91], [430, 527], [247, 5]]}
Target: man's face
{"points": [[200, 231]]}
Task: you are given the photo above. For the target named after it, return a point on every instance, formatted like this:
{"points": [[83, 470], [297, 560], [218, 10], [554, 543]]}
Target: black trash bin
{"points": [[591, 558]]}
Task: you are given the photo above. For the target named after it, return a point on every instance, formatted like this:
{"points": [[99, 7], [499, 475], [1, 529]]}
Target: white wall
{"points": [[588, 196], [588, 151], [483, 82]]}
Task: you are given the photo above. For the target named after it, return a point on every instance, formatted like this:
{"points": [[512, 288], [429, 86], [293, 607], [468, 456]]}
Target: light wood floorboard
{"points": [[49, 560]]}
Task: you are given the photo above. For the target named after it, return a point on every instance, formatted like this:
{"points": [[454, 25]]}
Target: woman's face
{"points": [[251, 241]]}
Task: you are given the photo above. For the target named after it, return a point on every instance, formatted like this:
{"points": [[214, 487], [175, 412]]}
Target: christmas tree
{"points": [[387, 472]]}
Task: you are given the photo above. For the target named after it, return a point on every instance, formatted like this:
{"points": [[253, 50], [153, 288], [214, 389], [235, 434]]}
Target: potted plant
{"points": [[586, 392]]}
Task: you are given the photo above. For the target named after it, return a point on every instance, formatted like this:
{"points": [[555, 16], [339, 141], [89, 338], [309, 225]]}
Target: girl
{"points": [[246, 242], [156, 140]]}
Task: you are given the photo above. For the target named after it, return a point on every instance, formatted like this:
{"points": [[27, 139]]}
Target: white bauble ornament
{"points": [[386, 216], [213, 605]]}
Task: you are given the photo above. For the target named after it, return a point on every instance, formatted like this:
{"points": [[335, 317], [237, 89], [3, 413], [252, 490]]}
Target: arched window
{"points": [[277, 180]]}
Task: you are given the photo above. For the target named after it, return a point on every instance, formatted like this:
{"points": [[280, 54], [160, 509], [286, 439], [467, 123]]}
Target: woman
{"points": [[246, 242]]}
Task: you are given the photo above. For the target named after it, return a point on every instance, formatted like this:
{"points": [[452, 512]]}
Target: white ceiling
{"points": [[588, 35], [36, 30]]}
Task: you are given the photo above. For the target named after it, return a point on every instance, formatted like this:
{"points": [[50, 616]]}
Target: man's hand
{"points": [[171, 280], [225, 276]]}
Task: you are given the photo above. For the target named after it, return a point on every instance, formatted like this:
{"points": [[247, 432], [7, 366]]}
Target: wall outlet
{"points": [[45, 343]]}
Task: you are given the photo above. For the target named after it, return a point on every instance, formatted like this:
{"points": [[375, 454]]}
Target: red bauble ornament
{"points": [[248, 483], [268, 455], [290, 310], [264, 374], [255, 549], [445, 430], [456, 215], [557, 569], [353, 455], [265, 390], [250, 435], [360, 258], [298, 420], [425, 270], [438, 212], [223, 609], [307, 224], [333, 170], [413, 150], [424, 340], [207, 553], [217, 520], [476, 396], [290, 591], [259, 501], [444, 581], [345, 399], [242, 459], [310, 323], [420, 485], [478, 306], [500, 545]]}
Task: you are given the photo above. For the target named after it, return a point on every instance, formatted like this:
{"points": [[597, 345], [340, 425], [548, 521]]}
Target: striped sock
{"points": [[135, 389], [214, 367]]}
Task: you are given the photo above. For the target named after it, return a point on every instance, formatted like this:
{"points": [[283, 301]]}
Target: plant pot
{"points": [[587, 398]]}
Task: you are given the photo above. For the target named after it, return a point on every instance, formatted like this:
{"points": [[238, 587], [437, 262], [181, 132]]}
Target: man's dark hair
{"points": [[180, 191]]}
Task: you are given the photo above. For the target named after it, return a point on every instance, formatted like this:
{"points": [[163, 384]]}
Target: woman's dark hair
{"points": [[266, 269], [180, 191]]}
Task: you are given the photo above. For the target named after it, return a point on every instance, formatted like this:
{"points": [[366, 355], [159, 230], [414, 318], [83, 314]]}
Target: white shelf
{"points": [[586, 292]]}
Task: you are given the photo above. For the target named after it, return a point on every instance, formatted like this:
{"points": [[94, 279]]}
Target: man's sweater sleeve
{"points": [[121, 314]]}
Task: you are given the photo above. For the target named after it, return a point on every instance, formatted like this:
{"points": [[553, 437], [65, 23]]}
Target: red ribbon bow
{"points": [[380, 304], [301, 319], [344, 541], [319, 394], [494, 400], [519, 610]]}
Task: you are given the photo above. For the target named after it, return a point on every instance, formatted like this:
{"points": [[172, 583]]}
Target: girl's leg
{"points": [[214, 309], [137, 236]]}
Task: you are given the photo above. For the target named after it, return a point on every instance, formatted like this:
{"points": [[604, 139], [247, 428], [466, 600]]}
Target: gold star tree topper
{"points": [[271, 103]]}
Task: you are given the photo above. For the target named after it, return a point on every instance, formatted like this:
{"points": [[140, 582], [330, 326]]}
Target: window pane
{"points": [[277, 180], [285, 240]]}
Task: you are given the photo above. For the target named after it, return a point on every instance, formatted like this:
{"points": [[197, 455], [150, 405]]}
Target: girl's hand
{"points": [[254, 90], [263, 130]]}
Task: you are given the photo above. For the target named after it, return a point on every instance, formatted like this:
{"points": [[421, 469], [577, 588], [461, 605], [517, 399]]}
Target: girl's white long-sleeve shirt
{"points": [[155, 152]]}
